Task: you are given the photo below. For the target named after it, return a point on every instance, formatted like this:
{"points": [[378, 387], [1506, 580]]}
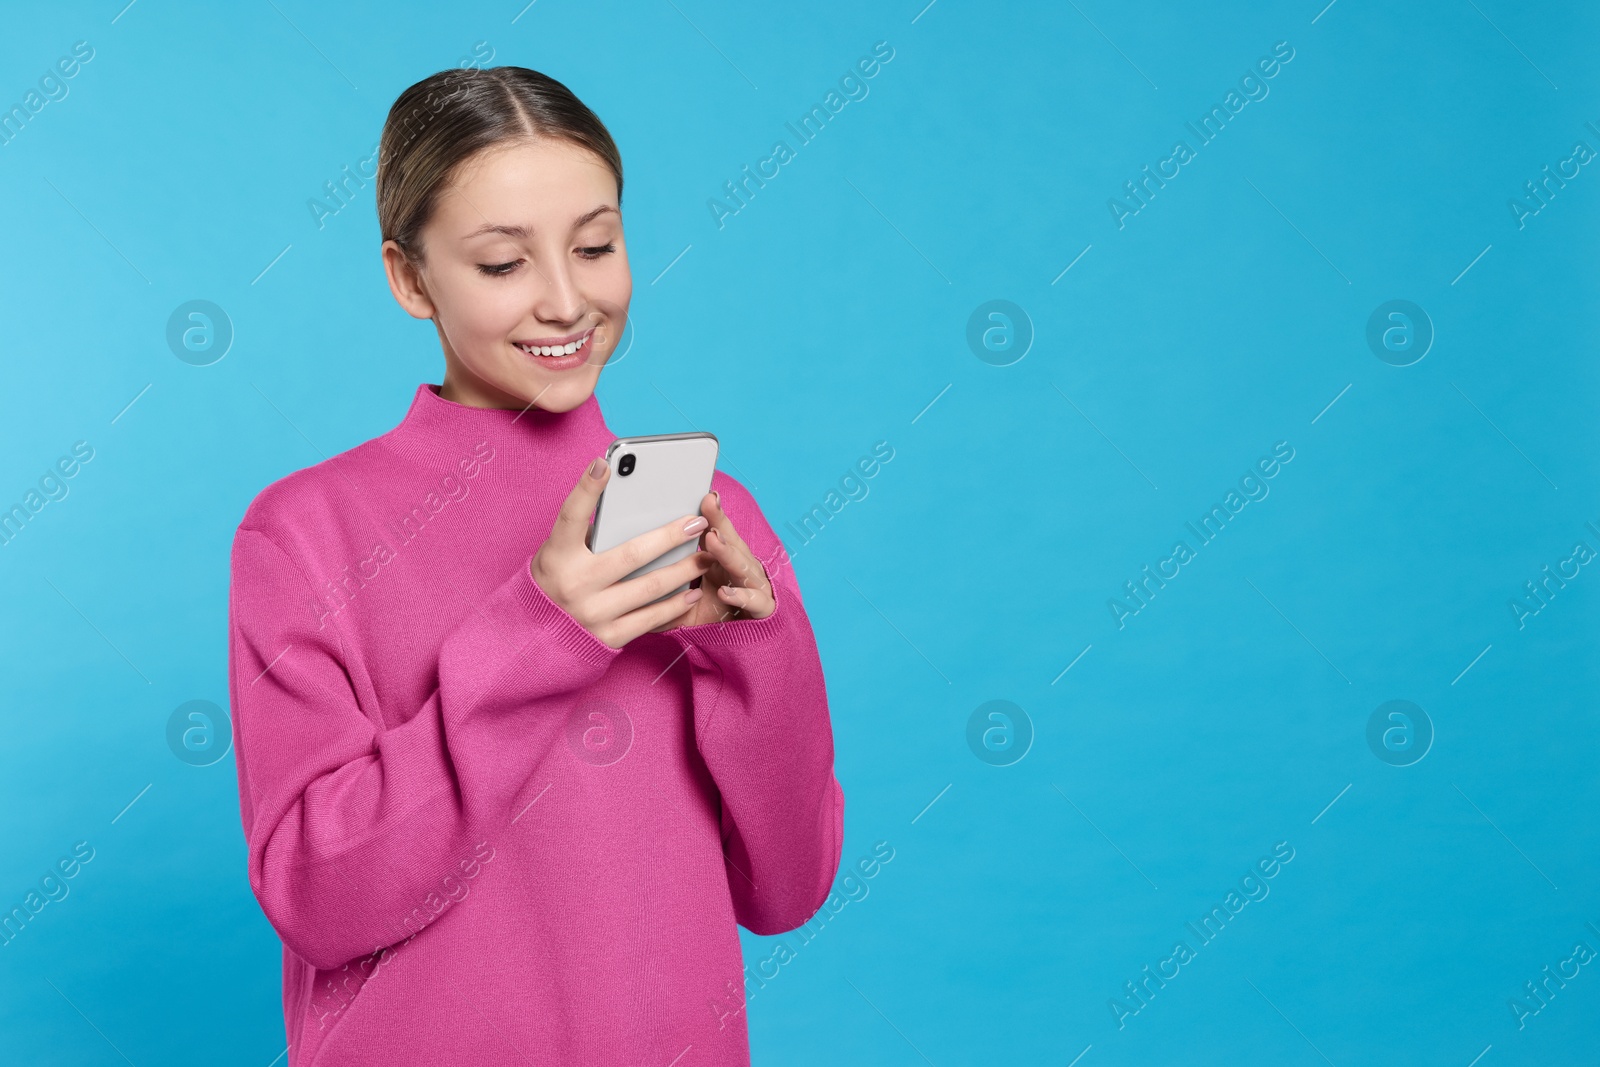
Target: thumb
{"points": [[572, 522]]}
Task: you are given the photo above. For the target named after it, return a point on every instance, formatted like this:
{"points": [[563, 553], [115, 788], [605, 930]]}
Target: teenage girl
{"points": [[500, 807]]}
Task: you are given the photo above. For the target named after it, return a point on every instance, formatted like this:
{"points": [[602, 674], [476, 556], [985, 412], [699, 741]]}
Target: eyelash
{"points": [[500, 270]]}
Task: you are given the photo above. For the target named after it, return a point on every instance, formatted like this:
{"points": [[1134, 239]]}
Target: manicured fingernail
{"points": [[695, 525], [693, 595], [597, 468]]}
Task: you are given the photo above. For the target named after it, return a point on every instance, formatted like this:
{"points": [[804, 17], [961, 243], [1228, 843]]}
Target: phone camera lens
{"points": [[625, 464]]}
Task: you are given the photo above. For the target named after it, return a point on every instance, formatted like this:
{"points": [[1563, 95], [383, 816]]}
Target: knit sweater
{"points": [[483, 835]]}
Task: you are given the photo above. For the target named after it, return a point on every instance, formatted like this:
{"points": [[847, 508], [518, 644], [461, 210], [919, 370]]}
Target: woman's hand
{"points": [[588, 586], [738, 583]]}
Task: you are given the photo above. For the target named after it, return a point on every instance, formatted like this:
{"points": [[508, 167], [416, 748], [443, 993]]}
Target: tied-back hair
{"points": [[450, 116]]}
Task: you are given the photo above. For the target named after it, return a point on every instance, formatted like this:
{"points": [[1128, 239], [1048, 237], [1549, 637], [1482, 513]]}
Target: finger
{"points": [[652, 616], [736, 560], [681, 619], [619, 561], [572, 521], [744, 563], [622, 597], [711, 508], [754, 601]]}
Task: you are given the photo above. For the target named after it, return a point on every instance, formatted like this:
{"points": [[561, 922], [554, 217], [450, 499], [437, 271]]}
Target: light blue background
{"points": [[825, 317]]}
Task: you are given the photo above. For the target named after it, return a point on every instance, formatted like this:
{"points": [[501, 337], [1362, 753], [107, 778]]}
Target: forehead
{"points": [[543, 184]]}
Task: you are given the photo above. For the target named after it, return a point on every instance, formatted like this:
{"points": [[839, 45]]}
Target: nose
{"points": [[559, 299]]}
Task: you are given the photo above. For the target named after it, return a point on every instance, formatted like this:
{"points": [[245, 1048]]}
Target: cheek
{"points": [[616, 289], [487, 314], [609, 295], [614, 285], [477, 323]]}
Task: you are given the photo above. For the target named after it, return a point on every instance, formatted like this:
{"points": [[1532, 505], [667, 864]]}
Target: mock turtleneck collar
{"points": [[436, 428]]}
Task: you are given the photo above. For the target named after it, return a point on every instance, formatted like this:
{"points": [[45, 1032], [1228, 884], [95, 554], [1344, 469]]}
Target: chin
{"points": [[563, 395]]}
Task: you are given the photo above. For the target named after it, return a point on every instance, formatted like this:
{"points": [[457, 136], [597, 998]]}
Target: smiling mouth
{"points": [[557, 350]]}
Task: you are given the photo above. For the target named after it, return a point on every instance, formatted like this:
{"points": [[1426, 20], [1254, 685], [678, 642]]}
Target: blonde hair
{"points": [[448, 117]]}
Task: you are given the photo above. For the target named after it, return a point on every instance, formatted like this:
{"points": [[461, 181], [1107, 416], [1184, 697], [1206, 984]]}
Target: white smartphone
{"points": [[653, 480]]}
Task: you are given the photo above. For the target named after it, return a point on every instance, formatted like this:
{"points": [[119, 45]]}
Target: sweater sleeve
{"points": [[761, 724], [356, 832]]}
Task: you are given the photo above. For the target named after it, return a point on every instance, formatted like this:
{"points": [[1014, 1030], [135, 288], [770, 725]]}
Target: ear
{"points": [[405, 283]]}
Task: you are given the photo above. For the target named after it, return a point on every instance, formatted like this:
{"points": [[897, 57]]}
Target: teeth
{"points": [[554, 350]]}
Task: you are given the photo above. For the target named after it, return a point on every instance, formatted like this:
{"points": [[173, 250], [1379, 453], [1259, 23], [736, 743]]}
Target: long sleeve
{"points": [[351, 827], [762, 726]]}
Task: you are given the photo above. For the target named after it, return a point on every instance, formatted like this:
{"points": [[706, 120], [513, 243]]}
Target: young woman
{"points": [[500, 807]]}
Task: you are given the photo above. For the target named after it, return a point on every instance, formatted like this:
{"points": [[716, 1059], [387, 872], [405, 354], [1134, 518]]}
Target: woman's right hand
{"points": [[588, 586]]}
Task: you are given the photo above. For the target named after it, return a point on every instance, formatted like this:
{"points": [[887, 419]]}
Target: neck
{"points": [[437, 429]]}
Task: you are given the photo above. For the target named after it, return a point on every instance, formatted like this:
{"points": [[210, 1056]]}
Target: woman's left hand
{"points": [[736, 586]]}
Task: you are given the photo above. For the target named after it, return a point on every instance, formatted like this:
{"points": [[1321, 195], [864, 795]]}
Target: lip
{"points": [[551, 342], [579, 358]]}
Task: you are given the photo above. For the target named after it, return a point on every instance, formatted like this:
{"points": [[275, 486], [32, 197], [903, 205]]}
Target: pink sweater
{"points": [[483, 835]]}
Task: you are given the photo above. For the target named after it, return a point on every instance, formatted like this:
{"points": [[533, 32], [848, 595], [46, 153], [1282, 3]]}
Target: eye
{"points": [[597, 251], [496, 270]]}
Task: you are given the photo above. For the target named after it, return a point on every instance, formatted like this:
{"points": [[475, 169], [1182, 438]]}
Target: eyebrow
{"points": [[523, 231]]}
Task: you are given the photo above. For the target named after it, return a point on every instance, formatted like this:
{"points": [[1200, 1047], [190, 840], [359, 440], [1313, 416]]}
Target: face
{"points": [[524, 250]]}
